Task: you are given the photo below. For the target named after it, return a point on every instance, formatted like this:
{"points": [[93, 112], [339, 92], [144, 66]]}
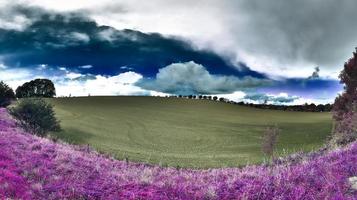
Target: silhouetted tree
{"points": [[6, 94], [345, 107], [36, 88], [348, 77], [215, 98]]}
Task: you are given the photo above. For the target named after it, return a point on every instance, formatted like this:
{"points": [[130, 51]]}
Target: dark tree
{"points": [[6, 94], [36, 88], [320, 108], [345, 107], [348, 77], [215, 98]]}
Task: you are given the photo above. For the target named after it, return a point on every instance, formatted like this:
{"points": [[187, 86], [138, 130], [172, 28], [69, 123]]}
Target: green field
{"points": [[183, 132]]}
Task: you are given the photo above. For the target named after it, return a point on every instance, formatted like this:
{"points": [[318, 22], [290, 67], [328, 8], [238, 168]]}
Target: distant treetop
{"points": [[36, 88]]}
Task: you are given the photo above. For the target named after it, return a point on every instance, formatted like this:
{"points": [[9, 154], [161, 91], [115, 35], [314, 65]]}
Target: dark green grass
{"points": [[182, 132]]}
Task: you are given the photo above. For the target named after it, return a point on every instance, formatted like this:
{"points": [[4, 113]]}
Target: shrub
{"points": [[36, 116], [6, 95], [270, 137], [346, 128]]}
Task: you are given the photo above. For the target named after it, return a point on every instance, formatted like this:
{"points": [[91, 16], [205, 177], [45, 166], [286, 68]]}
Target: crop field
{"points": [[184, 132]]}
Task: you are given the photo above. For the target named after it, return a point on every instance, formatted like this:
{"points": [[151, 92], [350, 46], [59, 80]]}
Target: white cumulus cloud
{"points": [[193, 78]]}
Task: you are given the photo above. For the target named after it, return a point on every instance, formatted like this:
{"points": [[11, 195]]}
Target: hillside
{"points": [[184, 132], [37, 168]]}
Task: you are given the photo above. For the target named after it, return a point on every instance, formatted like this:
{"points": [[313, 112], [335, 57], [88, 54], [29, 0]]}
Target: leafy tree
{"points": [[215, 98], [36, 116], [345, 107], [6, 94], [36, 88]]}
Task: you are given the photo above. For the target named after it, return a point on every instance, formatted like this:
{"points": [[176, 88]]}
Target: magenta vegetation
{"points": [[36, 168]]}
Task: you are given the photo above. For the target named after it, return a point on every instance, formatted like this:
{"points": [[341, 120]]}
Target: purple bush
{"points": [[37, 168]]}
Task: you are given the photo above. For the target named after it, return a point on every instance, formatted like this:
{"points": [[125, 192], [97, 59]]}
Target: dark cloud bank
{"points": [[322, 32], [72, 40]]}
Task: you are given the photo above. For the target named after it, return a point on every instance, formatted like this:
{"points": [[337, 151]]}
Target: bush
{"points": [[36, 116], [346, 128], [6, 95], [270, 138]]}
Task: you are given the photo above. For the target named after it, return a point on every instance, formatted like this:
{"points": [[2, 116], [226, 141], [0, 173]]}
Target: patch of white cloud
{"points": [[193, 78], [236, 96], [18, 22], [2, 66], [121, 84], [42, 67], [73, 75], [77, 84], [81, 37], [86, 66], [126, 67], [107, 35], [275, 99], [15, 77]]}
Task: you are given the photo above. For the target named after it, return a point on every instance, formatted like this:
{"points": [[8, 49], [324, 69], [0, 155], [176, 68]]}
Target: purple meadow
{"points": [[38, 168]]}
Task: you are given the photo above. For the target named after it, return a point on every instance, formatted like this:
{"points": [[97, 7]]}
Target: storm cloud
{"points": [[299, 32], [72, 40], [281, 38]]}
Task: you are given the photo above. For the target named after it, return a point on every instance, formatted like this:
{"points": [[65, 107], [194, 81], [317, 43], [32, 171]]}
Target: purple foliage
{"points": [[36, 168]]}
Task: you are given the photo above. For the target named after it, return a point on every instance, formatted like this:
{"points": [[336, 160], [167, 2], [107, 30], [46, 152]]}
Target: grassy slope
{"points": [[188, 133]]}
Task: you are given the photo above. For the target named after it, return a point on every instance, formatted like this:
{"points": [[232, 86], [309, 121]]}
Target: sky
{"points": [[283, 52]]}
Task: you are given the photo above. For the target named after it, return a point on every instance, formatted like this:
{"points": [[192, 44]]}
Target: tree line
{"points": [[302, 108]]}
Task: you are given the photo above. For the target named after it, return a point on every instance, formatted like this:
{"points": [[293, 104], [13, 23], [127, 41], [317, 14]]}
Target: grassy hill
{"points": [[183, 132]]}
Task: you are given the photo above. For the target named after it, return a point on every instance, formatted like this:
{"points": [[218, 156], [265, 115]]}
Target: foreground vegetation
{"points": [[184, 132], [37, 168]]}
